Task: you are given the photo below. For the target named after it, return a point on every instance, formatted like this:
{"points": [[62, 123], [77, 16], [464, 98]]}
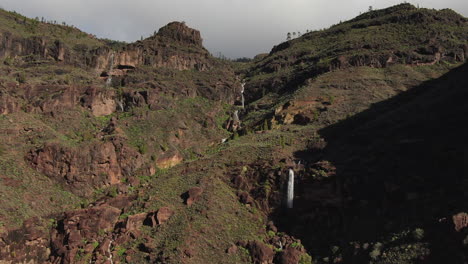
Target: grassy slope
{"points": [[403, 31], [22, 26]]}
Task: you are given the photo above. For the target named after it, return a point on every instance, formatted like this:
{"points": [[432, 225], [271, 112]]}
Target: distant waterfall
{"points": [[236, 116], [290, 196], [110, 253], [111, 66], [242, 94], [235, 121]]}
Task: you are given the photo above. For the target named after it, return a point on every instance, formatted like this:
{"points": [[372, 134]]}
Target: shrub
{"points": [[142, 148], [305, 259], [374, 254], [418, 234], [112, 191]]}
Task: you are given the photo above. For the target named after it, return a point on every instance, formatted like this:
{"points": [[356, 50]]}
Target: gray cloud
{"points": [[236, 28]]}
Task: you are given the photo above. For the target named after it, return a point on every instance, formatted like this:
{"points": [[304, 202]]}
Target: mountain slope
{"points": [[154, 159]]}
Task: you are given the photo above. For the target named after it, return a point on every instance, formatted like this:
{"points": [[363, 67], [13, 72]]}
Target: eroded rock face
{"points": [[55, 99], [88, 234], [8, 104], [29, 244], [99, 102], [87, 167], [160, 50]]}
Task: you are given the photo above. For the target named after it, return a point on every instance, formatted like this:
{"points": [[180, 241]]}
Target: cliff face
{"points": [[175, 46]]}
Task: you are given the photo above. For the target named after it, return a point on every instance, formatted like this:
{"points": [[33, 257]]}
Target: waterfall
{"points": [[236, 116], [242, 94], [235, 121], [290, 196], [111, 66], [110, 253], [121, 106]]}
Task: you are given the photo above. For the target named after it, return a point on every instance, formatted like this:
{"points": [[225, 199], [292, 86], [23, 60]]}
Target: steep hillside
{"points": [[149, 153], [98, 115], [401, 34]]}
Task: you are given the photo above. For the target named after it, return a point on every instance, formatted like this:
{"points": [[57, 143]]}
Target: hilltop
{"points": [[157, 152]]}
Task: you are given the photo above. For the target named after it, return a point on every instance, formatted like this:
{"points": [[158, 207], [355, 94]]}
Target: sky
{"points": [[234, 28]]}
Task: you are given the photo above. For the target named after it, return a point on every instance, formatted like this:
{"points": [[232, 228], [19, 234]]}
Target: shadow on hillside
{"points": [[401, 164]]}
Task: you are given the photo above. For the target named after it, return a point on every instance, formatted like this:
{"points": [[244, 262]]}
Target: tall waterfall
{"points": [[242, 94], [236, 116], [290, 196], [111, 66]]}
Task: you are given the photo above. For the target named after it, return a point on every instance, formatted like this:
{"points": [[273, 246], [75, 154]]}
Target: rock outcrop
{"points": [[160, 50], [88, 167], [192, 195], [260, 253]]}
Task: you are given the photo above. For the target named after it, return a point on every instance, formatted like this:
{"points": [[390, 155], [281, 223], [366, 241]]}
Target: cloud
{"points": [[236, 28]]}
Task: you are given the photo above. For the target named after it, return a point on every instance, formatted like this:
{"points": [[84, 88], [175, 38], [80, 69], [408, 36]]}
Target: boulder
{"points": [[163, 215], [460, 221], [260, 253], [193, 194], [290, 256]]}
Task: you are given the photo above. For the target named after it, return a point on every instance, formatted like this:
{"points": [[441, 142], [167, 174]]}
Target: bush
{"points": [[142, 148], [418, 234], [112, 191], [374, 254], [305, 259]]}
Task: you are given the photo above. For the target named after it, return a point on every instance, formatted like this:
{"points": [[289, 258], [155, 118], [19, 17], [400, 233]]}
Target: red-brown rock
{"points": [[163, 214], [260, 253], [82, 169], [460, 221], [290, 256], [193, 195]]}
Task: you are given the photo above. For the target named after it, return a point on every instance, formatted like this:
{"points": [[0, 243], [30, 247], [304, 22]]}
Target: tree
{"points": [[288, 36], [294, 34], [370, 8]]}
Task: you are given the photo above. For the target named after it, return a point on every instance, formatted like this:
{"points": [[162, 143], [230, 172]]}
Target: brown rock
{"points": [[240, 183], [290, 256], [167, 161], [82, 169], [260, 253], [232, 250], [8, 104], [193, 194], [245, 198], [100, 102], [134, 222], [271, 226], [163, 214], [460, 221]]}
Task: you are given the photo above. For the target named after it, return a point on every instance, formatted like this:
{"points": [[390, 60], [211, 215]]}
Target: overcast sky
{"points": [[236, 28]]}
